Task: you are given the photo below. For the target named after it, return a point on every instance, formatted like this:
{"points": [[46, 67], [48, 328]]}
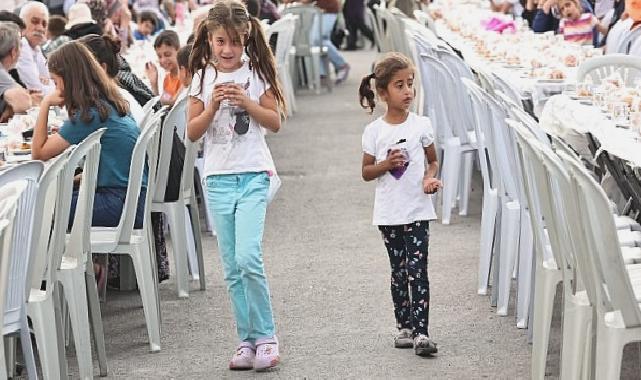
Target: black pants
{"points": [[355, 21], [407, 247]]}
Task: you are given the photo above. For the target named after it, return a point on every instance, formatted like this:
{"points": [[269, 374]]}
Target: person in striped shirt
{"points": [[575, 25]]}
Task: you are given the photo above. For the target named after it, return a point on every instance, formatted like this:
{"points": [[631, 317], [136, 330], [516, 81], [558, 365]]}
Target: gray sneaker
{"points": [[403, 339], [424, 346]]}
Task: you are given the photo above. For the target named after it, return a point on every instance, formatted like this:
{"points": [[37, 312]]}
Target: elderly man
{"points": [[32, 66], [13, 98]]}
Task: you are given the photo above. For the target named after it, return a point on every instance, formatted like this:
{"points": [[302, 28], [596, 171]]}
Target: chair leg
{"points": [[96, 320], [27, 346], [545, 290], [509, 246], [142, 264], [176, 218], [524, 277], [609, 353], [575, 346], [45, 329], [8, 352], [466, 182], [488, 221], [450, 174], [75, 291], [195, 222]]}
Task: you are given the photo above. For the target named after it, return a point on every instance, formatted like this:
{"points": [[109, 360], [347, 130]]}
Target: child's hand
{"points": [[431, 185], [54, 99], [394, 159], [218, 96], [236, 96], [151, 72]]}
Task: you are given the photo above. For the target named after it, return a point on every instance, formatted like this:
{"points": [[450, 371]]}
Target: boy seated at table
{"points": [[577, 25], [166, 46], [146, 26]]}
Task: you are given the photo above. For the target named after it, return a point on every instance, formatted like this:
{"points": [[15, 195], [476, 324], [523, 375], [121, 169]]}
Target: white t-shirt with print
{"points": [[227, 149], [401, 201]]}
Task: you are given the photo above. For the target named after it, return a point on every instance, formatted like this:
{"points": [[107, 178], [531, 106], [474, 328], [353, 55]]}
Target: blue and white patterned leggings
{"points": [[407, 247]]}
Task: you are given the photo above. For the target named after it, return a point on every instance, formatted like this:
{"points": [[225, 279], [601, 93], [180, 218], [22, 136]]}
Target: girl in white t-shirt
{"points": [[234, 98], [398, 152]]}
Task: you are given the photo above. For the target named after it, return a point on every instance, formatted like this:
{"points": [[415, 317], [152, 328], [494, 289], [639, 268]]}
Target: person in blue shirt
{"points": [[92, 101]]}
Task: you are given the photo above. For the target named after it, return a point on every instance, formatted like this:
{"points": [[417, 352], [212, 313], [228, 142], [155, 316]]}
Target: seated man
{"points": [[13, 98], [32, 66]]}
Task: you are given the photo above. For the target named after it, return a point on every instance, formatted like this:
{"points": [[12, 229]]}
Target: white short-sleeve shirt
{"points": [[622, 41], [227, 150], [401, 201]]}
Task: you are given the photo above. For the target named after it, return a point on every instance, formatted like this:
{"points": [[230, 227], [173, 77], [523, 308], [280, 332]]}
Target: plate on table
{"points": [[550, 80], [20, 152]]}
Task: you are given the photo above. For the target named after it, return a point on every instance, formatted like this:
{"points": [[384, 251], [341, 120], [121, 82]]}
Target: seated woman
{"points": [[105, 49], [93, 102]]}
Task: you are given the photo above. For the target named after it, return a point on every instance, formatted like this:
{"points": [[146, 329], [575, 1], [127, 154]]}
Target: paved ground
{"points": [[328, 273]]}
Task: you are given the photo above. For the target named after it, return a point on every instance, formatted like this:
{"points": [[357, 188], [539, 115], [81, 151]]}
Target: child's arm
{"points": [[372, 170], [265, 111], [599, 26], [430, 183], [200, 117]]}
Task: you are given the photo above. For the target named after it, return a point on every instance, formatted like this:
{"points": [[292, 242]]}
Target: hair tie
{"points": [[371, 76]]}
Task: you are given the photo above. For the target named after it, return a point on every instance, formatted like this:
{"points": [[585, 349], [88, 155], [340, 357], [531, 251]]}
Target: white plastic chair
{"points": [[285, 27], [599, 68], [184, 249], [76, 272], [453, 138], [309, 56], [373, 23], [10, 194], [15, 312], [490, 190], [148, 111], [124, 240], [51, 219]]}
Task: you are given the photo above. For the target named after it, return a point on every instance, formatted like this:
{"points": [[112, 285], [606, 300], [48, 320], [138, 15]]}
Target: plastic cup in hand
{"points": [[398, 171]]}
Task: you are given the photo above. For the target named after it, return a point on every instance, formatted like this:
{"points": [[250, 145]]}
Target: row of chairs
{"points": [[49, 275]]}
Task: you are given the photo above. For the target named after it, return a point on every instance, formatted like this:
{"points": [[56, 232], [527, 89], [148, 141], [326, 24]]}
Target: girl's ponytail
{"points": [[261, 60], [200, 53], [365, 92]]}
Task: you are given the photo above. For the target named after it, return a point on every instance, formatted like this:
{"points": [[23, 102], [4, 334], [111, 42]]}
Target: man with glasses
{"points": [[32, 66]]}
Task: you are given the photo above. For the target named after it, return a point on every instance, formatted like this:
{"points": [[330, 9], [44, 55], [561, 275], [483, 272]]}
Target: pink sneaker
{"points": [[266, 354], [244, 357]]}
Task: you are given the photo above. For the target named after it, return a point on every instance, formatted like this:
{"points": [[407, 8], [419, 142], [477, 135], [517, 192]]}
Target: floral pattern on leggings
{"points": [[407, 248]]}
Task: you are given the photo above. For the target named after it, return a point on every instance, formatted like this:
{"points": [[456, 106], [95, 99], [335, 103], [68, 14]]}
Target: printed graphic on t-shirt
{"points": [[231, 123]]}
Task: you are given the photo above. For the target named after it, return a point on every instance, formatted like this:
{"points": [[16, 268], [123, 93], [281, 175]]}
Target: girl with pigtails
{"points": [[234, 98]]}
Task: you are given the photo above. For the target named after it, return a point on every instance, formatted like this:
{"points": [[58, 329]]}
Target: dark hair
{"points": [[86, 84], [183, 56], [384, 70], [148, 16], [253, 7], [169, 38], [14, 18], [233, 17], [56, 25], [105, 49]]}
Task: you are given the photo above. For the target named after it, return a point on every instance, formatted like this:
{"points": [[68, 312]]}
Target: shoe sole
{"points": [[404, 345], [273, 365], [425, 351], [240, 368]]}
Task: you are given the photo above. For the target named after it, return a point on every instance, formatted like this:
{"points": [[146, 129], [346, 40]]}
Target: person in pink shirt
{"points": [[576, 25]]}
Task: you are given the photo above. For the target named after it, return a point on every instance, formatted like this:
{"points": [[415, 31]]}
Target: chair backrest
{"points": [[87, 154], [145, 154], [286, 28], [176, 116], [425, 19], [599, 68], [148, 110], [614, 290], [482, 121], [22, 254], [502, 85], [10, 195], [50, 196], [517, 113], [373, 22], [391, 31], [305, 22], [459, 69], [187, 180], [443, 86]]}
